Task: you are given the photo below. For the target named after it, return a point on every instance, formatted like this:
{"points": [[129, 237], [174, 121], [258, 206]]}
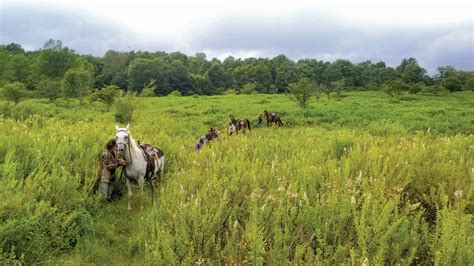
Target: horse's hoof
{"points": [[129, 208]]}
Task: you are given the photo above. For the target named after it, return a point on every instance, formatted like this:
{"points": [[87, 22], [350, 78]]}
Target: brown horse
{"points": [[212, 133], [235, 125], [272, 118]]}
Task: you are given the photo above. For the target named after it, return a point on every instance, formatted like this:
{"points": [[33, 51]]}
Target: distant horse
{"points": [[235, 125], [136, 169], [212, 134], [272, 118]]}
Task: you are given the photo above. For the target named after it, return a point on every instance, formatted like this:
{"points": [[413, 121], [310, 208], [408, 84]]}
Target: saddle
{"points": [[152, 154]]}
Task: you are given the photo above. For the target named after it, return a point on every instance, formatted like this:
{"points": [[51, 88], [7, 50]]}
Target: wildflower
{"points": [[398, 189], [458, 194], [353, 200], [365, 262], [305, 197], [256, 193], [415, 206]]}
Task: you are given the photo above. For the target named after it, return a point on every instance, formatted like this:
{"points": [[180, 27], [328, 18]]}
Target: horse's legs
{"points": [[141, 181], [152, 187], [129, 189], [162, 169]]}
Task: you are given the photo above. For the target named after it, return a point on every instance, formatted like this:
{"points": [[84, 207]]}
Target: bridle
{"points": [[125, 144]]}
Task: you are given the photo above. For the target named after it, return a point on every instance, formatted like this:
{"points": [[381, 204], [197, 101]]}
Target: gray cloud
{"points": [[298, 35], [327, 38], [33, 26]]}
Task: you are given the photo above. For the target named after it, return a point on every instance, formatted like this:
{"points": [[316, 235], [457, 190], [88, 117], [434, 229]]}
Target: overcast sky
{"points": [[436, 33]]}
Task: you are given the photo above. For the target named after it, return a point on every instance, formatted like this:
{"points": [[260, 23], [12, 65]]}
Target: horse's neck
{"points": [[133, 148]]}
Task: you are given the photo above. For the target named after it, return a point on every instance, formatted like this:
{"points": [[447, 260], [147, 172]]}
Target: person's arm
{"points": [[110, 162]]}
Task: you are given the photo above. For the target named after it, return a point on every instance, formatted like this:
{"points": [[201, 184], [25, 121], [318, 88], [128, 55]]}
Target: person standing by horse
{"points": [[108, 163], [260, 120]]}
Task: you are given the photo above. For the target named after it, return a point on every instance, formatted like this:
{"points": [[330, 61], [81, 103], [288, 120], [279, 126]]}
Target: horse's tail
{"points": [[248, 123]]}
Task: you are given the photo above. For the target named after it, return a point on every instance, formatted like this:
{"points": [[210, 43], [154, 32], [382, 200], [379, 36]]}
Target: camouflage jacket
{"points": [[108, 164]]}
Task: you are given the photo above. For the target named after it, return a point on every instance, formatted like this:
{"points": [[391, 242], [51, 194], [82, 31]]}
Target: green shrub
{"points": [[230, 92], [147, 92], [175, 93], [125, 109], [341, 147]]}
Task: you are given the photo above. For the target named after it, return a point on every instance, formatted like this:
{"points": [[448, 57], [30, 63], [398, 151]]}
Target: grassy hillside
{"points": [[352, 181]]}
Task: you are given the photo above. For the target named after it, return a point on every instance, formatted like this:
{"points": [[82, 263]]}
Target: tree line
{"points": [[58, 71]]}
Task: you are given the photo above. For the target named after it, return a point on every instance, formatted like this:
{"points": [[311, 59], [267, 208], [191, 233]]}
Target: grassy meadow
{"points": [[359, 180]]}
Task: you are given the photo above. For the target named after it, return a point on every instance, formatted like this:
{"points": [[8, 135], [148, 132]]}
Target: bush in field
{"points": [[434, 89], [301, 91], [327, 88], [147, 92], [469, 84], [395, 87], [339, 86], [452, 84], [6, 109], [148, 89], [318, 90], [416, 88], [341, 147], [175, 93], [125, 109], [230, 92], [49, 88], [249, 88], [106, 95], [14, 92], [25, 110]]}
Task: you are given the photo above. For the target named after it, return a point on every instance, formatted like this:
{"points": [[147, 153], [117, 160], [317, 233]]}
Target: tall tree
{"points": [[18, 69], [218, 76], [142, 70], [49, 88], [178, 77], [77, 83], [410, 71], [115, 69], [202, 84], [283, 71], [54, 60]]}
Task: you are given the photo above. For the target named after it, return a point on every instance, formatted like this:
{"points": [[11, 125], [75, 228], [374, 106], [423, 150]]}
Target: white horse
{"points": [[136, 163]]}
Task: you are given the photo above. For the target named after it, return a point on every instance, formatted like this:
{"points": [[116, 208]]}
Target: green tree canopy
{"points": [[107, 95], [77, 83], [452, 84], [302, 91], [14, 92]]}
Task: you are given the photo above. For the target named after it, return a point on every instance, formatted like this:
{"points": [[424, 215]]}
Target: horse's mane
{"points": [[133, 143]]}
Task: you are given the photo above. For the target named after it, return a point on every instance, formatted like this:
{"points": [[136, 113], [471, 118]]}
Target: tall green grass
{"points": [[355, 181]]}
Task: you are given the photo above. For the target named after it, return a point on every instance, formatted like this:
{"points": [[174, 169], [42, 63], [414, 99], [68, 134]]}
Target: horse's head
{"points": [[122, 137]]}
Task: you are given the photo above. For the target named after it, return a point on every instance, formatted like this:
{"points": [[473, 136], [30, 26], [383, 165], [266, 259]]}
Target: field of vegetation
{"points": [[364, 179]]}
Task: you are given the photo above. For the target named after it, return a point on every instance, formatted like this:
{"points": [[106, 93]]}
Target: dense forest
{"points": [[58, 71]]}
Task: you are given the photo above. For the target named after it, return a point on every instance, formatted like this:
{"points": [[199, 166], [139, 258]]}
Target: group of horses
{"points": [[138, 162], [236, 125]]}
